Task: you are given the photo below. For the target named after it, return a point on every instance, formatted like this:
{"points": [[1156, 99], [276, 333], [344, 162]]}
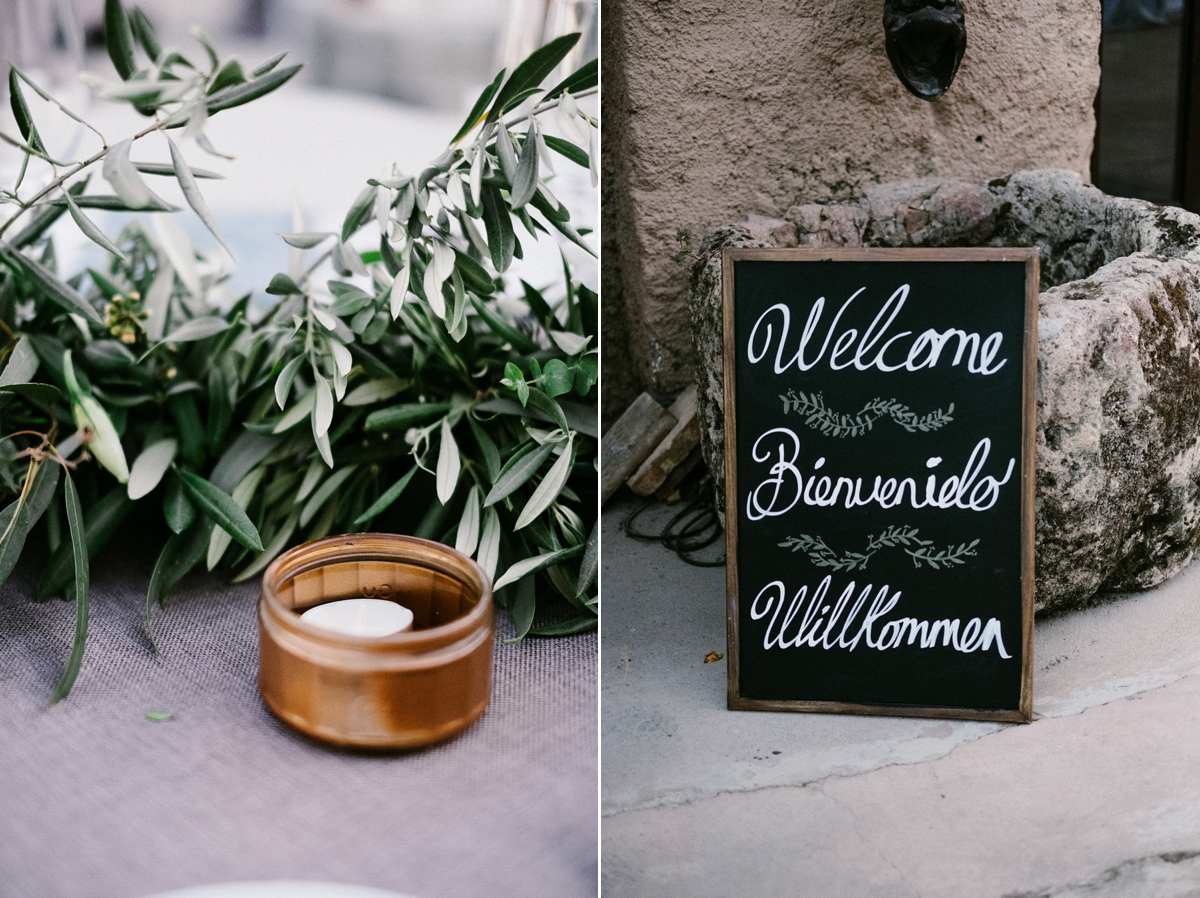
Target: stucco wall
{"points": [[716, 109]]}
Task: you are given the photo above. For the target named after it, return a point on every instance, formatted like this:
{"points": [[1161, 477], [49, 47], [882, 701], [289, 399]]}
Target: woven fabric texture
{"points": [[97, 801]]}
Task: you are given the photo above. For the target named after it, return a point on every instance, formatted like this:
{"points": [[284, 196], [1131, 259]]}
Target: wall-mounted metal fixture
{"points": [[925, 41]]}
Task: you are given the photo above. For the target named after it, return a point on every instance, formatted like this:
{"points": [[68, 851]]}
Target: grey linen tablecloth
{"points": [[97, 801]]}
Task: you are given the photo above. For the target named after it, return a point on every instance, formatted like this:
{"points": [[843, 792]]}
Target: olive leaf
{"points": [[79, 559], [118, 38], [399, 289], [374, 391], [239, 94], [526, 180], [449, 463], [405, 415], [583, 624], [150, 466], [322, 415], [389, 496], [479, 109], [191, 193], [489, 543], [145, 34], [54, 289], [103, 519], [532, 71], [197, 329], [283, 385], [507, 153], [20, 110], [583, 78], [547, 491], [17, 519], [468, 526], [536, 563], [264, 67], [322, 495], [242, 494], [518, 470], [22, 364], [305, 240], [123, 175], [576, 154], [221, 508], [178, 510], [500, 235], [524, 607], [39, 394], [589, 565], [282, 285], [297, 413]]}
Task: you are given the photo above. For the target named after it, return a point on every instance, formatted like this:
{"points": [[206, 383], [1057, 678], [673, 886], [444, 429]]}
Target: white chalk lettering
{"points": [[785, 486], [926, 350], [803, 622]]}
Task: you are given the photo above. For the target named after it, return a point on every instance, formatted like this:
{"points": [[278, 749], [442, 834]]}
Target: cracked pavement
{"points": [[1099, 796]]}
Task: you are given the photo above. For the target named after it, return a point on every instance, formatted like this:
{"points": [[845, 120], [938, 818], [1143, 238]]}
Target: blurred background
{"points": [[385, 81]]}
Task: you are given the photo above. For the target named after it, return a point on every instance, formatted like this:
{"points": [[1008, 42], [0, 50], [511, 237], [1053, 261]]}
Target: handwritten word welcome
{"points": [[849, 349]]}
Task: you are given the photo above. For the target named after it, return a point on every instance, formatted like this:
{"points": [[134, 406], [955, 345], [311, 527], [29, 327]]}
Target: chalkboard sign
{"points": [[879, 458]]}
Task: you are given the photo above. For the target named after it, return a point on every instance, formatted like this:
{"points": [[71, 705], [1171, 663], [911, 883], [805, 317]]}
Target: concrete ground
{"points": [[1099, 796]]}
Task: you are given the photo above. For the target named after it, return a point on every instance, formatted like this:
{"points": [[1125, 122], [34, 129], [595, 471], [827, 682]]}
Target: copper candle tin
{"points": [[400, 691]]}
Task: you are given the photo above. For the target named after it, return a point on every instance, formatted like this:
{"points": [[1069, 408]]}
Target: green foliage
{"points": [[80, 565], [921, 551], [417, 390], [811, 406]]}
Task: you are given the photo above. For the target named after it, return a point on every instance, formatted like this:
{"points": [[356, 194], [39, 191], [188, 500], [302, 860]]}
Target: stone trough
{"points": [[1118, 401]]}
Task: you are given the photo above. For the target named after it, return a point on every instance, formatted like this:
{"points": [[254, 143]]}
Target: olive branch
{"points": [[920, 550], [417, 387], [820, 417]]}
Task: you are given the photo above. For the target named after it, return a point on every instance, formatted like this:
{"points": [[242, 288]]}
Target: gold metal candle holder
{"points": [[401, 691]]}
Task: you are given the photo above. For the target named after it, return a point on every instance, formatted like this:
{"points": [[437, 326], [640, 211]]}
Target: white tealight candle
{"points": [[360, 617]]}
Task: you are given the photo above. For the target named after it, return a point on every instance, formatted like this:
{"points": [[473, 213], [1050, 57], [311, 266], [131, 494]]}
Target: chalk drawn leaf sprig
{"points": [[820, 417], [921, 551]]}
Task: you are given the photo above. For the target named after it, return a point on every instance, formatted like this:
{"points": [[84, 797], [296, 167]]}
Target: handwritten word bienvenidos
{"points": [[849, 349], [817, 631], [786, 486]]}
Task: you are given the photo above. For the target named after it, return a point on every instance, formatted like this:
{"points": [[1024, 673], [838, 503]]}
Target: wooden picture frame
{"points": [[975, 676]]}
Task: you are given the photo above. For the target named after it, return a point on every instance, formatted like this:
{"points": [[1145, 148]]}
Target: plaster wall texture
{"points": [[718, 110]]}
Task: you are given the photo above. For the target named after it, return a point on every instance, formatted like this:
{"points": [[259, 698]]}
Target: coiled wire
{"points": [[692, 529]]}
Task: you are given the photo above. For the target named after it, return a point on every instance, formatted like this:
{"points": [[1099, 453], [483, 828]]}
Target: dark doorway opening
{"points": [[1142, 122]]}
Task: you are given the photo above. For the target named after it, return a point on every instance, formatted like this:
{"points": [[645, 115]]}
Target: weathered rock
{"points": [[1118, 428], [929, 212], [818, 225], [708, 330], [1078, 229], [779, 231], [1118, 437]]}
